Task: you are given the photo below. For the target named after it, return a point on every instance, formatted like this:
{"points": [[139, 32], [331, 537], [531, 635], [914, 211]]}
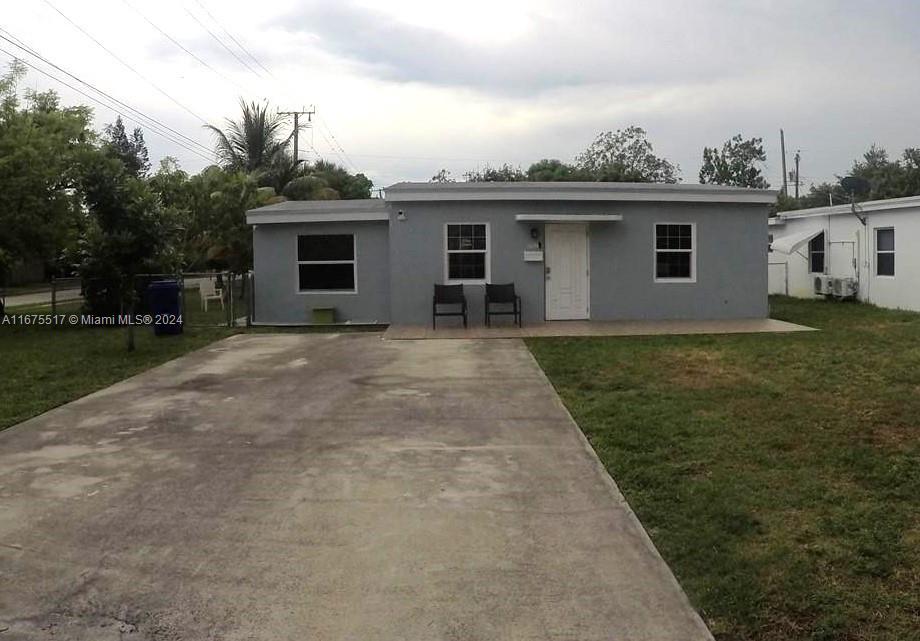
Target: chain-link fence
{"points": [[207, 299], [60, 295]]}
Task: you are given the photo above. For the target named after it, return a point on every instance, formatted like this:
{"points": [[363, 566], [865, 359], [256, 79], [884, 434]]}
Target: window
{"points": [[884, 252], [326, 263], [816, 254], [467, 257], [674, 252]]}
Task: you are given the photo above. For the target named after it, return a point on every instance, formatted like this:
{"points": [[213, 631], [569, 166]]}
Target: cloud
{"points": [[588, 43]]}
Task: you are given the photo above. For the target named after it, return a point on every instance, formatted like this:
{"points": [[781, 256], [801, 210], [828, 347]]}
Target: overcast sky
{"points": [[405, 87]]}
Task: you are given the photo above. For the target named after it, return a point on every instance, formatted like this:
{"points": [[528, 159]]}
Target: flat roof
{"points": [[578, 191], [888, 204], [319, 211]]}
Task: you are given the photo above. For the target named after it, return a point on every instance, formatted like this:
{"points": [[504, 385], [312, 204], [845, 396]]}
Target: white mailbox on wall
{"points": [[533, 255]]}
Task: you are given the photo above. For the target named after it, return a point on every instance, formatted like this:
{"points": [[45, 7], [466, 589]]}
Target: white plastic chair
{"points": [[208, 290]]}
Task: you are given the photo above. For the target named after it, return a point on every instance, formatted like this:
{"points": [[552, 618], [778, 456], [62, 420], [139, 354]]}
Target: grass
{"points": [[44, 367], [778, 474]]}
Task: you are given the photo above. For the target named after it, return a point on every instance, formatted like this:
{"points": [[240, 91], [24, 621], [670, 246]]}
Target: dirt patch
{"points": [[698, 368]]}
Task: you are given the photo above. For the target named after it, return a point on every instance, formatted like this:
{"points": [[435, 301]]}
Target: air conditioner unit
{"points": [[823, 285], [844, 287]]}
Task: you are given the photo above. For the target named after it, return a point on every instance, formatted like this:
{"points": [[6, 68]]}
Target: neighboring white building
{"points": [[881, 255]]}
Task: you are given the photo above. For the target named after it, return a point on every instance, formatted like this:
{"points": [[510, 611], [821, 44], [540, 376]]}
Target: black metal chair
{"points": [[502, 295], [448, 295]]}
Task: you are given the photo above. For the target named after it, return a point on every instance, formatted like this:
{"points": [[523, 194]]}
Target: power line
{"points": [[21, 44], [116, 57], [153, 122], [104, 104], [220, 42], [332, 148], [230, 35], [182, 47], [322, 123]]}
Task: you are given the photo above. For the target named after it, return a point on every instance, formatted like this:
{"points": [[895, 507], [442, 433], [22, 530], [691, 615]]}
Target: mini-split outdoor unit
{"points": [[824, 285], [844, 287], [836, 287]]}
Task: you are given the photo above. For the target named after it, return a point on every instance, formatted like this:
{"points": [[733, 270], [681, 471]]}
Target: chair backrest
{"points": [[208, 287], [448, 294], [501, 293]]}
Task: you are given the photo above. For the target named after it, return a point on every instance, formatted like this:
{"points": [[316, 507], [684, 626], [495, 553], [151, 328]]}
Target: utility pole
{"points": [[782, 147], [798, 157], [297, 114]]}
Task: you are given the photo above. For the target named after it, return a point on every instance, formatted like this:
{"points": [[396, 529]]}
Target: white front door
{"points": [[566, 256]]}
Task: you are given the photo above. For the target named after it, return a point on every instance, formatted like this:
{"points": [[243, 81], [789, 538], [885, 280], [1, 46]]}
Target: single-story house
{"points": [[602, 251], [862, 247]]}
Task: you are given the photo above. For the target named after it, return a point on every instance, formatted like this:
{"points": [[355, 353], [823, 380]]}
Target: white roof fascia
{"points": [[568, 218], [789, 244], [866, 207]]}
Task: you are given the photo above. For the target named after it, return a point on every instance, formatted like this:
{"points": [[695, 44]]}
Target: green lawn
{"points": [[43, 367], [778, 474]]}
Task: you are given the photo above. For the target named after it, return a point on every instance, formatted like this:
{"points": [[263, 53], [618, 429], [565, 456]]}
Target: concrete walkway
{"points": [[329, 487], [449, 329]]}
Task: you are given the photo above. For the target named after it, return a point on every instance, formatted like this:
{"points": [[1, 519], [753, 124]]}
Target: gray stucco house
{"points": [[601, 251]]}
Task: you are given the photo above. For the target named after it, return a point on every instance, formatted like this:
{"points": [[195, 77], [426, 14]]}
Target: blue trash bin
{"points": [[165, 306]]}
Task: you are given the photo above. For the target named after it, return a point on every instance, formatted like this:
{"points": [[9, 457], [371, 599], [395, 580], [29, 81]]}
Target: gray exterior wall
{"points": [[275, 266], [731, 255]]}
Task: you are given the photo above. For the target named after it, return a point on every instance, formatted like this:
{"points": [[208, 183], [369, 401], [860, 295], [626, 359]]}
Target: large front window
{"points": [[675, 259], [467, 256], [326, 263], [816, 254]]}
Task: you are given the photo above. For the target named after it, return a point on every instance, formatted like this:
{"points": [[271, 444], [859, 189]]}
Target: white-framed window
{"points": [[884, 251], [675, 252], [816, 250], [327, 263], [466, 253]]}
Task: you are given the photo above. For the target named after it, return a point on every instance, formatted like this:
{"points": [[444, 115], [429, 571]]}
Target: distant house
{"points": [[599, 251], [879, 257]]}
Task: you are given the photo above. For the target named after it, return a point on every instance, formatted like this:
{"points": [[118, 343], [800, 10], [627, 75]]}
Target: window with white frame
{"points": [[467, 252], [816, 248], [675, 252], [326, 263], [884, 252]]}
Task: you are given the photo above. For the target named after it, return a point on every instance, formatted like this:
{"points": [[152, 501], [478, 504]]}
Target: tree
{"points": [[823, 195], [40, 147], [254, 142], [125, 235], [888, 179], [505, 173], [735, 164], [443, 176], [348, 186], [625, 155], [325, 180], [131, 151], [550, 170], [309, 188]]}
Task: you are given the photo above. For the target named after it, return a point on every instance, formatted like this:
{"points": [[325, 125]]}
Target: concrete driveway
{"points": [[328, 487]]}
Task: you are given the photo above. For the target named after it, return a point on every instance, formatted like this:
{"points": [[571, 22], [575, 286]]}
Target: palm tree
{"points": [[253, 144]]}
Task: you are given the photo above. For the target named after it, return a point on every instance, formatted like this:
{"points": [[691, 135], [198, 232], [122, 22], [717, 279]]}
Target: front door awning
{"points": [[568, 218], [789, 244]]}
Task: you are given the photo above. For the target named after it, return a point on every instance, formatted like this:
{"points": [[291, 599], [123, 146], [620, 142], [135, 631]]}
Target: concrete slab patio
{"points": [[597, 328], [330, 487]]}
